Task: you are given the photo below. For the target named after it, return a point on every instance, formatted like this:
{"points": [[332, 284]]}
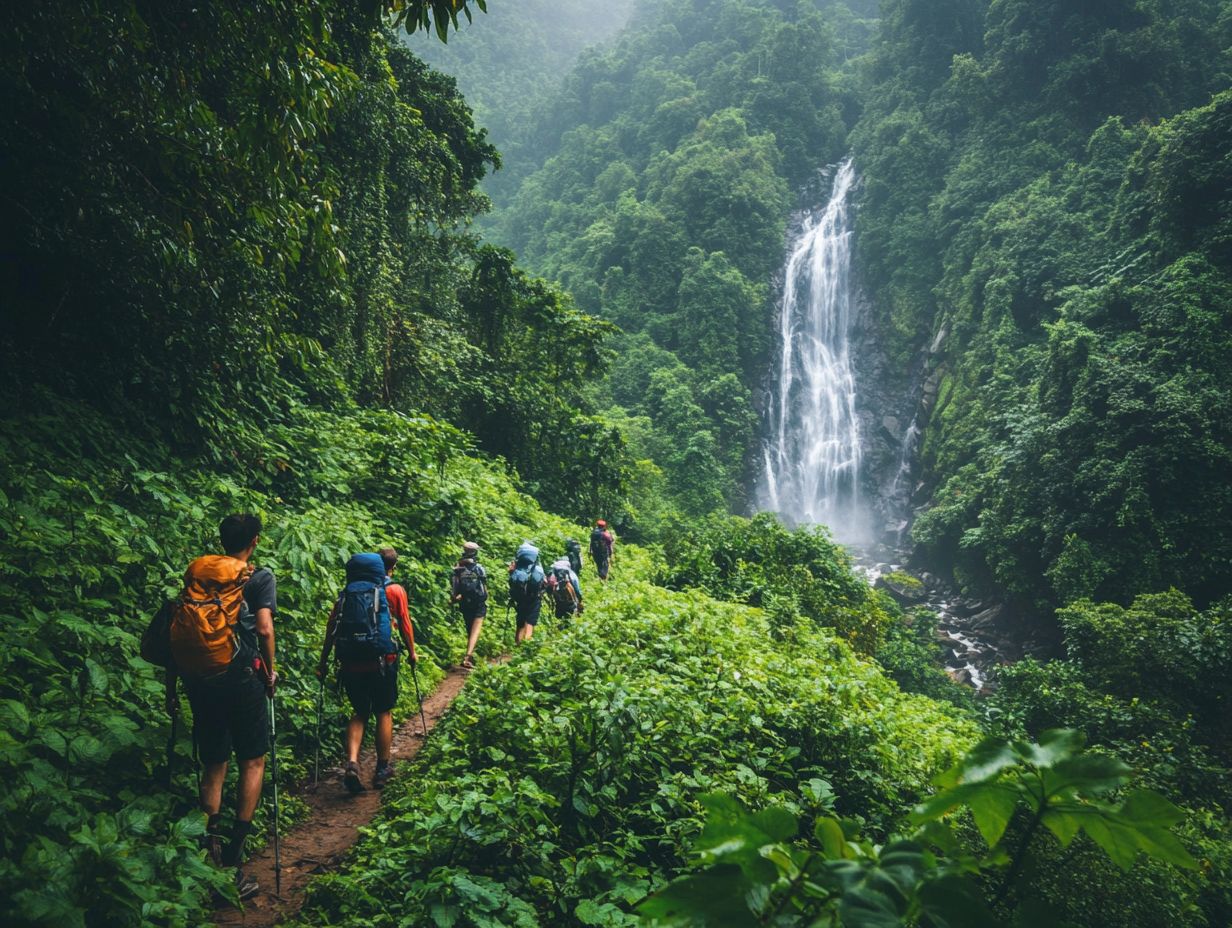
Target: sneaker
{"points": [[351, 778], [246, 885], [384, 773]]}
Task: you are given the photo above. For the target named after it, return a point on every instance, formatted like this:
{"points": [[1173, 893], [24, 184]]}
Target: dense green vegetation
{"points": [[565, 786], [240, 271], [269, 205], [664, 172], [509, 62], [1048, 186]]}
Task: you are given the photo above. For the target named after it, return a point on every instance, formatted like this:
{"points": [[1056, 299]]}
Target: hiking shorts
{"points": [[474, 612], [229, 714], [371, 691], [530, 616]]}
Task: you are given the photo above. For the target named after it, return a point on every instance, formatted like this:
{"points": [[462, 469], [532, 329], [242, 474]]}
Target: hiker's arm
{"points": [[265, 638], [404, 626]]}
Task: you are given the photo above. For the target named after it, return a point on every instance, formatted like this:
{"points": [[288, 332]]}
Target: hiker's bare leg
{"points": [[252, 774], [473, 638], [384, 736], [211, 787], [354, 737]]}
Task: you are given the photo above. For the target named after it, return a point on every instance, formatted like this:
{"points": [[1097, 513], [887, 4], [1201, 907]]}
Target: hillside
{"points": [[510, 60]]}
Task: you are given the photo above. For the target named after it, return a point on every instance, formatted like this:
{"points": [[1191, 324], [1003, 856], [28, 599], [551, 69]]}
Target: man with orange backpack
{"points": [[222, 646], [360, 631]]}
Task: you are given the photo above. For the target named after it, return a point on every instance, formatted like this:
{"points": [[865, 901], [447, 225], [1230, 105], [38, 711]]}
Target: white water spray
{"points": [[812, 452]]}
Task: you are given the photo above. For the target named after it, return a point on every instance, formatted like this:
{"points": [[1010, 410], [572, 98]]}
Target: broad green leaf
{"points": [[714, 896], [830, 833], [992, 806], [955, 902]]}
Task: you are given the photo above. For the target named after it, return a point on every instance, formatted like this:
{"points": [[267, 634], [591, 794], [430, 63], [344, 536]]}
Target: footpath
{"points": [[333, 822]]}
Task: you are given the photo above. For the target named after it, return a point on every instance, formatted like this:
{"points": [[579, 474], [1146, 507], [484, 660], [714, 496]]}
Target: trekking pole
{"points": [[419, 699], [175, 730], [274, 774], [196, 759], [316, 754]]}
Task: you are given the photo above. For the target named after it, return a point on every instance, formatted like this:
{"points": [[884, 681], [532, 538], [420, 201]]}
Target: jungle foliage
{"points": [[1045, 192], [218, 211], [532, 45], [658, 184], [240, 271], [566, 785]]}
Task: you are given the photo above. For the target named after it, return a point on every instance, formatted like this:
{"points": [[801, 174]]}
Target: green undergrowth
{"points": [[565, 785], [96, 527]]}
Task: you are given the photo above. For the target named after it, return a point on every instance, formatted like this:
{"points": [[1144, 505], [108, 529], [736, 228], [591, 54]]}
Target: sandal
{"points": [[468, 662]]}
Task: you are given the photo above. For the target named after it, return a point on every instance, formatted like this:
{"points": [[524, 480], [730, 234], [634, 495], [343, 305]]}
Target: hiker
{"points": [[222, 647], [526, 585], [360, 631], [573, 551], [469, 589], [602, 548], [564, 588]]}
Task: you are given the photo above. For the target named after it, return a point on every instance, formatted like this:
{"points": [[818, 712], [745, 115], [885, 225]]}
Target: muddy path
{"points": [[319, 842]]}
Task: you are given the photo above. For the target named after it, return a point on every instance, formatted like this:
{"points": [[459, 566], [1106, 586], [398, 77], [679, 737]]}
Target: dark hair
{"points": [[237, 532], [390, 557]]}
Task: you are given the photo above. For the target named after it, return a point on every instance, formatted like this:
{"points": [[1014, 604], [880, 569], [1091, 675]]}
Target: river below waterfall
{"points": [[971, 632]]}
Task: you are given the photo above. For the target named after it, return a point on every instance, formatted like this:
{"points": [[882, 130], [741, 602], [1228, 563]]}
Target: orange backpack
{"points": [[203, 619]]}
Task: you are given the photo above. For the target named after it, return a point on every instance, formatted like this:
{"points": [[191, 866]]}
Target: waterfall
{"points": [[812, 449]]}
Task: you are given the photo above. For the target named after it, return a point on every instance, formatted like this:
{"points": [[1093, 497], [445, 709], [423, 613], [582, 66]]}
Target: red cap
{"points": [[601, 524]]}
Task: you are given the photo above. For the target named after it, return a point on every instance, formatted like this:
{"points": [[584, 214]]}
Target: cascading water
{"points": [[812, 451]]}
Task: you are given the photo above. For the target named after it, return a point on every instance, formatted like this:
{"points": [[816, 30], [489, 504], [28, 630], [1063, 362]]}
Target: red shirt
{"points": [[399, 616]]}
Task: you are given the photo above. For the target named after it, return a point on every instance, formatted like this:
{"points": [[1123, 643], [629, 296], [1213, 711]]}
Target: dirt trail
{"points": [[333, 822]]}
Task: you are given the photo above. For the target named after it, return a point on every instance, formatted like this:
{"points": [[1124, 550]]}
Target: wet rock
{"points": [[989, 618], [962, 675], [901, 587]]}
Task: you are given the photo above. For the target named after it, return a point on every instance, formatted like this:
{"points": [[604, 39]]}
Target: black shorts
{"points": [[470, 615], [529, 616], [371, 691], [230, 713]]}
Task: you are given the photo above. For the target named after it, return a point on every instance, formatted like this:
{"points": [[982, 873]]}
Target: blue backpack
{"points": [[364, 631], [526, 579]]}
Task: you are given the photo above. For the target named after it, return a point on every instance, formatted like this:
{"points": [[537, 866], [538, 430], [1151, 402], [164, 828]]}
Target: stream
{"points": [[973, 648]]}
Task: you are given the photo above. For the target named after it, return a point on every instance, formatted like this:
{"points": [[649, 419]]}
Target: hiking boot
{"points": [[351, 778], [246, 885], [213, 848], [384, 773]]}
